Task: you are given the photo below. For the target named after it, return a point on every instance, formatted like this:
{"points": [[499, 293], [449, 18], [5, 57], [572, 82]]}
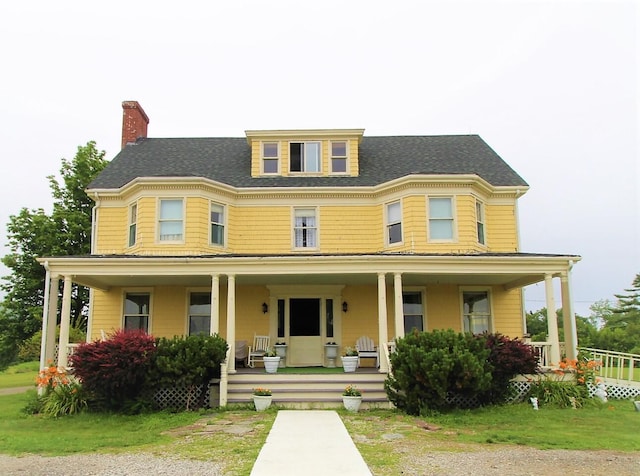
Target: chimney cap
{"points": [[135, 105]]}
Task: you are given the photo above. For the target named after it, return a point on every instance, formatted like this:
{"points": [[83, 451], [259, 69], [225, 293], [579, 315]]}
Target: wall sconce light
{"points": [[345, 306], [265, 308]]}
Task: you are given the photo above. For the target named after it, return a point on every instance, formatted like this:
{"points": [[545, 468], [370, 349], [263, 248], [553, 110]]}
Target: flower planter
{"points": [[281, 350], [352, 404], [262, 402], [350, 363], [331, 352], [271, 364]]}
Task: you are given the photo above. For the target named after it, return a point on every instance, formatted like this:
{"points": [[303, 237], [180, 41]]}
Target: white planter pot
{"points": [[352, 404], [262, 402], [350, 363], [331, 351], [271, 364]]}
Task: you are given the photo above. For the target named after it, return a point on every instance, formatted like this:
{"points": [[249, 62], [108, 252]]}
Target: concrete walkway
{"points": [[309, 442]]}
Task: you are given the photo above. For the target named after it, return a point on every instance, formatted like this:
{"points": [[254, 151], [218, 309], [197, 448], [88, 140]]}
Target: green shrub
{"points": [[189, 362], [66, 399], [30, 349], [561, 394], [429, 367]]}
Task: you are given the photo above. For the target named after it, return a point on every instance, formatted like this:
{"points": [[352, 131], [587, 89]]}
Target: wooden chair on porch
{"points": [[257, 350], [367, 349]]}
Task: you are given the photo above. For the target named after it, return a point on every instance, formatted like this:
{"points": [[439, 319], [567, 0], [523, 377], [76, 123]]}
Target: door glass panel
{"points": [[304, 317]]}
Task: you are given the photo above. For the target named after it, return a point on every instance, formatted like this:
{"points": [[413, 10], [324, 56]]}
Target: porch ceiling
{"points": [[508, 270]]}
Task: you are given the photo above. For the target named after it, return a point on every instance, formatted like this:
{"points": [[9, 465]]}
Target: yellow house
{"points": [[307, 236]]}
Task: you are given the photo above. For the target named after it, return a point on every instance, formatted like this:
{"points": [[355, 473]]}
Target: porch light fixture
{"points": [[265, 308], [345, 306]]}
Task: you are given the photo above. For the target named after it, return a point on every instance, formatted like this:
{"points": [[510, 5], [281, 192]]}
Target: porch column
{"points": [[52, 320], [65, 322], [552, 321], [568, 318], [231, 321], [382, 318], [214, 326], [399, 310]]}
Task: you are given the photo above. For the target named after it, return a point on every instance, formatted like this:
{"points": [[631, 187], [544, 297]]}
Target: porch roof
{"points": [[510, 270]]}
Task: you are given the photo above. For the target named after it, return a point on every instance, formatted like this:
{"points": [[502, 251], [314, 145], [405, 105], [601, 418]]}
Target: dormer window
{"points": [[304, 157], [270, 157], [338, 157]]}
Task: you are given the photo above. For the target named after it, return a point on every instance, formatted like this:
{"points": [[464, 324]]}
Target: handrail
{"points": [[614, 364]]}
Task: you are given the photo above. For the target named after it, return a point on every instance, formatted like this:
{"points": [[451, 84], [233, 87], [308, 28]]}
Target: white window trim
{"points": [[423, 296], [346, 157], [387, 224], [132, 223], [187, 299], [483, 208], [184, 214], [454, 220], [148, 291], [306, 172], [293, 229], [488, 290], [224, 224], [277, 159]]}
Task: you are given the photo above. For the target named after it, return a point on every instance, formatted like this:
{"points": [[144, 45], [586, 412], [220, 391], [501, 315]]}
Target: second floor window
{"points": [[338, 157], [133, 223], [394, 223], [217, 224], [480, 221], [440, 218], [270, 157], [304, 156], [305, 228], [170, 222], [136, 311]]}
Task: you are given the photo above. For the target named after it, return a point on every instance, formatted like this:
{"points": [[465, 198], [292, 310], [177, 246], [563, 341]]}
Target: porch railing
{"points": [[618, 366], [544, 353], [224, 376]]}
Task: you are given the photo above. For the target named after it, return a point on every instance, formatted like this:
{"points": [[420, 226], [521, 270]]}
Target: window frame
{"points": [[389, 224], [315, 228], [222, 224], [161, 220], [132, 239], [465, 324], [333, 157], [137, 292], [451, 219], [303, 158], [264, 158], [207, 317], [481, 228], [423, 303]]}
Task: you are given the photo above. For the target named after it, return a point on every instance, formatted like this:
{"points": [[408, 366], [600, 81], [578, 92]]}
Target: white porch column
{"points": [[65, 322], [214, 326], [52, 321], [568, 318], [552, 321], [45, 318], [398, 306], [382, 318], [231, 320]]}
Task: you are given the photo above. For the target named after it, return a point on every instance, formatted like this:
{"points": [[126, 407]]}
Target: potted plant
{"points": [[351, 398], [271, 361], [350, 359], [261, 398]]}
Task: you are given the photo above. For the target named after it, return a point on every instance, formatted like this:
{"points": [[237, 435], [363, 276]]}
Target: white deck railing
{"points": [[618, 366]]}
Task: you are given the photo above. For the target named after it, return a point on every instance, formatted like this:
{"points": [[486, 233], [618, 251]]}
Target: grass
{"points": [[310, 370], [20, 375]]}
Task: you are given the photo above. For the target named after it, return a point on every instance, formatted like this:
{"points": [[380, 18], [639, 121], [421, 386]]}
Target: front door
{"points": [[305, 337]]}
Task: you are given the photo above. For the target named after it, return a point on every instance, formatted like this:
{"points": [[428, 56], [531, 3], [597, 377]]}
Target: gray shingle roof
{"points": [[382, 159]]}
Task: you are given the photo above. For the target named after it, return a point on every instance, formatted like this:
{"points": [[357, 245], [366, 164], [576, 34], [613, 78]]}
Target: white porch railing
{"points": [[620, 367], [224, 376], [544, 353]]}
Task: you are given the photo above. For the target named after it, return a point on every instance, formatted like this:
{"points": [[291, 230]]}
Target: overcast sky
{"points": [[550, 86]]}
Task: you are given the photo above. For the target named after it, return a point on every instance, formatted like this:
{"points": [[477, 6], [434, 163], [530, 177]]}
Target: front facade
{"points": [[308, 236]]}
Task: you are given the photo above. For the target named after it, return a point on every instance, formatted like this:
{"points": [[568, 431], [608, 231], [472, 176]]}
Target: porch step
{"points": [[308, 390]]}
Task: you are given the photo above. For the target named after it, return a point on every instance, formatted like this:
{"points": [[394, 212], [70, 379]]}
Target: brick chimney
{"points": [[134, 122]]}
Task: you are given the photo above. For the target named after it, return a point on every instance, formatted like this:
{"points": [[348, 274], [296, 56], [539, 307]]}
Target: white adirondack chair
{"points": [[257, 350], [367, 349]]}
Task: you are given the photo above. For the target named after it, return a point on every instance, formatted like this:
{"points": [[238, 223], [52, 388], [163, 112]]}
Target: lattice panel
{"points": [[617, 392], [177, 397]]}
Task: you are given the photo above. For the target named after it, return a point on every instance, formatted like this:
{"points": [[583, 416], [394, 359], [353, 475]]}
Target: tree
{"points": [[32, 234]]}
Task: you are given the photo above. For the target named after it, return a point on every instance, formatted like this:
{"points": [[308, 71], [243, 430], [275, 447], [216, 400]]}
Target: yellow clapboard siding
{"points": [[501, 231], [113, 230], [341, 229]]}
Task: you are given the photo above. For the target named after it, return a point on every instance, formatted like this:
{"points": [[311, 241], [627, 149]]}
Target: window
{"points": [[413, 311], [329, 317], [305, 229], [136, 311], [133, 223], [304, 156], [270, 157], [476, 311], [199, 313], [170, 223], [338, 157], [440, 218], [394, 223], [217, 224], [480, 221]]}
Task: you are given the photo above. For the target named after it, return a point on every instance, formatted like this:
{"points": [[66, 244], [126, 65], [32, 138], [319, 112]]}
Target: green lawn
{"points": [[20, 375]]}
